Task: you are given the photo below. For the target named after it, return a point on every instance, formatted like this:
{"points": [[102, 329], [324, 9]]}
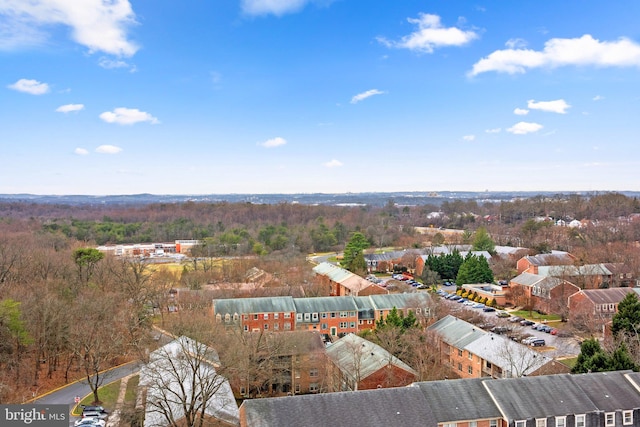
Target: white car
{"points": [[90, 422]]}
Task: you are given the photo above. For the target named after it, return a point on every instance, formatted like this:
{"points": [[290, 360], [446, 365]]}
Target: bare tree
{"points": [[517, 360], [185, 388]]}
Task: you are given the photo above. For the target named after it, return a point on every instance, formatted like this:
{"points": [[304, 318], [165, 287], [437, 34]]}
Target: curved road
{"points": [[67, 394]]}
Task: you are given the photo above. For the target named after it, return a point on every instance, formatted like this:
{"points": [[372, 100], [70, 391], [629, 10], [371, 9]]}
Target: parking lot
{"points": [[556, 343]]}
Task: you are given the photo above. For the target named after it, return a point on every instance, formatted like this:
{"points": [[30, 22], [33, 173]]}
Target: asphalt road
{"points": [[67, 394]]}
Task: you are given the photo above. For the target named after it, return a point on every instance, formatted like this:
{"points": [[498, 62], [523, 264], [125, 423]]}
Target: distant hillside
{"points": [[338, 199]]}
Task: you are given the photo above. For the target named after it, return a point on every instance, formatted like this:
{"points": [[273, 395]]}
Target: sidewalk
{"points": [[114, 418]]}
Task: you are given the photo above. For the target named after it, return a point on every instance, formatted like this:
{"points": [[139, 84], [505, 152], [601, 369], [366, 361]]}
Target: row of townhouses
{"points": [[331, 316], [605, 399]]}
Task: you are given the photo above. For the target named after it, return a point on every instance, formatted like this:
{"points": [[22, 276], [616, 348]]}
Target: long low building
{"points": [[331, 316], [603, 399]]}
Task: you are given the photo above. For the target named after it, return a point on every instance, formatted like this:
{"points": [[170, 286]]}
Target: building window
{"points": [[611, 307], [473, 424], [470, 370], [299, 317], [297, 373], [245, 317], [287, 326], [276, 326], [610, 419], [521, 423], [352, 314], [580, 420], [460, 352], [627, 418], [235, 317], [470, 356], [255, 317], [325, 326], [313, 387], [343, 325], [493, 423], [246, 328], [266, 316], [352, 325], [541, 422], [333, 315], [324, 315], [297, 388], [314, 316], [287, 315], [561, 421], [227, 317], [449, 425], [369, 322], [242, 391], [266, 326], [307, 317], [459, 366], [218, 317], [313, 372], [276, 315], [343, 314]]}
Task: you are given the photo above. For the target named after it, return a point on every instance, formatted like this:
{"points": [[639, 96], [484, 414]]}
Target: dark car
{"points": [[527, 322], [500, 330], [546, 329], [94, 411], [487, 309], [537, 343]]}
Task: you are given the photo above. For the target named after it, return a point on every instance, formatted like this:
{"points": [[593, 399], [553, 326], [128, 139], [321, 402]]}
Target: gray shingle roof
{"points": [[609, 295], [254, 305], [324, 304], [456, 332], [449, 400], [403, 406], [351, 353]]}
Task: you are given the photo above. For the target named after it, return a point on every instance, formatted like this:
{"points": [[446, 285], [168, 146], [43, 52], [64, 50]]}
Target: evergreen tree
{"points": [[483, 242], [592, 358], [627, 319], [356, 246], [474, 269]]}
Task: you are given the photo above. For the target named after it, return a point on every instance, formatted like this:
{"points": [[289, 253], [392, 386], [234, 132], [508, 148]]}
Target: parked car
{"points": [[546, 329], [488, 309], [94, 414], [554, 331], [477, 305], [527, 340], [455, 297], [462, 300], [515, 319], [94, 408], [500, 330], [90, 422], [503, 314], [538, 342], [527, 322]]}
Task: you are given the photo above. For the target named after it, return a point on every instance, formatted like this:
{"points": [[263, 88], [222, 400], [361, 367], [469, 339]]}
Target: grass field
{"points": [[536, 316]]}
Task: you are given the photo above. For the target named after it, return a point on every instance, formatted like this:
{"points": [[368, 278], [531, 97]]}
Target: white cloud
{"points": [[559, 106], [81, 151], [273, 142], [430, 35], [275, 7], [68, 108], [33, 87], [562, 52], [516, 43], [109, 64], [128, 116], [333, 164], [598, 98], [520, 111], [364, 95], [522, 128], [494, 130], [108, 149], [97, 24], [469, 137]]}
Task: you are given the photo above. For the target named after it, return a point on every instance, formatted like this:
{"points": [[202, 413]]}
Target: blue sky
{"points": [[301, 96]]}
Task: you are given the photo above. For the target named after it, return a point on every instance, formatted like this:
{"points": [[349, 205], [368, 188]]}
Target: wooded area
{"points": [[66, 312]]}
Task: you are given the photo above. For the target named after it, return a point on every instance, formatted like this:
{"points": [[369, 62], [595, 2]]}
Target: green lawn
{"points": [[570, 362], [532, 315], [108, 395], [132, 389]]}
